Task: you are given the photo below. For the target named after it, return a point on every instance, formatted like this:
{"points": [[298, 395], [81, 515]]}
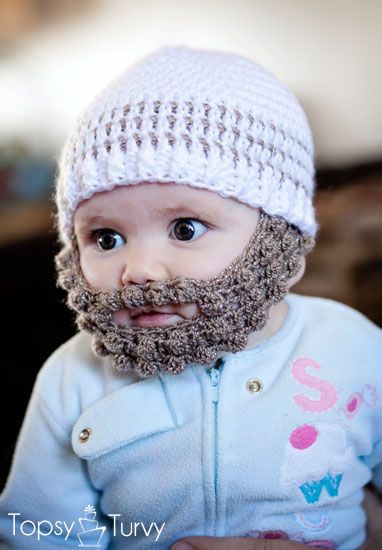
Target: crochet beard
{"points": [[232, 304]]}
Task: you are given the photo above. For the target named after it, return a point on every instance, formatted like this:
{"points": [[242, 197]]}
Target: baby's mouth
{"points": [[146, 316], [155, 319]]}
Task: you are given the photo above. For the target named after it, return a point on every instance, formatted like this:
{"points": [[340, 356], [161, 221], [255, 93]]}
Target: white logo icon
{"points": [[91, 534]]}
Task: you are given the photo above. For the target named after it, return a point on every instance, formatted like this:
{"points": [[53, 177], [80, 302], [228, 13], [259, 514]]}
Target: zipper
{"points": [[214, 374]]}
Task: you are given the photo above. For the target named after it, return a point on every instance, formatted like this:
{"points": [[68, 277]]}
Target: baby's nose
{"points": [[143, 265]]}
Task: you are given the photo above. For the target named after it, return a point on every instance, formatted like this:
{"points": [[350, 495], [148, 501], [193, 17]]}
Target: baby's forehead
{"points": [[161, 197]]}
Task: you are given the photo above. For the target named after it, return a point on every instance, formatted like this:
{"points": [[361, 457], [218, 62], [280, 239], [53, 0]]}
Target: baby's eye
{"points": [[107, 239], [186, 228]]}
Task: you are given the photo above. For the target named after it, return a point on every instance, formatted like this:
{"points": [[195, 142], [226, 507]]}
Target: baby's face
{"points": [[152, 232]]}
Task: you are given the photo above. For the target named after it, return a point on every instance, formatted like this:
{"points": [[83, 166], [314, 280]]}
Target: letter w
{"points": [[312, 489]]}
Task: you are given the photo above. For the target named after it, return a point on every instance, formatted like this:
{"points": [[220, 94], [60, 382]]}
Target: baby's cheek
{"points": [[205, 267], [189, 311], [99, 275], [121, 317]]}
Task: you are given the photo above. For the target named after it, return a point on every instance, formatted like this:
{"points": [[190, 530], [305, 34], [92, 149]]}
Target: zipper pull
{"points": [[215, 379], [215, 376]]}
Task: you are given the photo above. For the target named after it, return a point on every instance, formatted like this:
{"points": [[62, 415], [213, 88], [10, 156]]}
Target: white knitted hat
{"points": [[211, 120]]}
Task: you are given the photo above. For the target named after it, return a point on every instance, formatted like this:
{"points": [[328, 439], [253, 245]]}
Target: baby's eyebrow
{"points": [[97, 219], [180, 210], [188, 211]]}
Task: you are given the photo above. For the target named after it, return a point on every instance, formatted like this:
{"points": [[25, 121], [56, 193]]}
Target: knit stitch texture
{"points": [[232, 304], [211, 120]]}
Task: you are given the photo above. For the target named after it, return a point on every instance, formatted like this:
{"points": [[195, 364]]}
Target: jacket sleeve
{"points": [[48, 486]]}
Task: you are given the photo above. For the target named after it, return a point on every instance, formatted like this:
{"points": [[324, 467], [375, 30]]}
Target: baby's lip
{"points": [[136, 311]]}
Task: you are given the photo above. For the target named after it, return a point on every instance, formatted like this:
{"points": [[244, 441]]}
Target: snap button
{"points": [[253, 385], [84, 435]]}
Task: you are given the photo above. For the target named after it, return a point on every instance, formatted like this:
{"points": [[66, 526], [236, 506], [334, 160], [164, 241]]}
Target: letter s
{"points": [[58, 525], [328, 392]]}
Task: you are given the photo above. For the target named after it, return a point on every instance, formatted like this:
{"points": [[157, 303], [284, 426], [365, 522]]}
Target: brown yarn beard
{"points": [[232, 304]]}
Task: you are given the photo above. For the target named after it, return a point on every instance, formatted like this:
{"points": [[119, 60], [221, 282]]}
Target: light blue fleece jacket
{"points": [[203, 452]]}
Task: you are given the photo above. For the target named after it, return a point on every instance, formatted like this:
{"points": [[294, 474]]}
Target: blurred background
{"points": [[55, 55]]}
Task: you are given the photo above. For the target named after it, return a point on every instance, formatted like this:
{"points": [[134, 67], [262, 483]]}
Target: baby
{"points": [[199, 397]]}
